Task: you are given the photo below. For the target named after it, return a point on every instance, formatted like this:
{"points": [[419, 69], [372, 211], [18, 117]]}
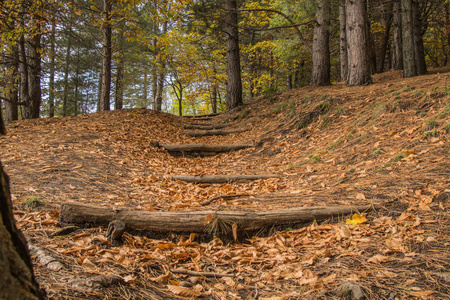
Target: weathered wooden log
{"points": [[205, 127], [212, 132], [203, 116], [221, 178], [203, 149], [194, 221]]}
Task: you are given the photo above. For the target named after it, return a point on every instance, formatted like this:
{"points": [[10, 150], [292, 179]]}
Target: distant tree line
{"points": [[64, 58]]}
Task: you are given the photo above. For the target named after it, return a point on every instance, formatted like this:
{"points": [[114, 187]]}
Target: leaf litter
{"points": [[361, 146]]}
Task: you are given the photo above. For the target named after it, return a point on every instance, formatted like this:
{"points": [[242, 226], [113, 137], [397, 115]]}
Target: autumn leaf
{"points": [[182, 291], [357, 219], [376, 259]]}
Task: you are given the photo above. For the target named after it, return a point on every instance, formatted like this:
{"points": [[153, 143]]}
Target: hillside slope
{"points": [[386, 144]]}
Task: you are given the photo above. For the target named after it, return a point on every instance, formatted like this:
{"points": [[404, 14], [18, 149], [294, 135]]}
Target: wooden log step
{"points": [[205, 127], [221, 178], [203, 116], [212, 132], [202, 149], [194, 221]]}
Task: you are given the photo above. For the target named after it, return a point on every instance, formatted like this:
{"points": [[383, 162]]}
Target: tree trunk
{"points": [[32, 109], [77, 82], [11, 106], [321, 49], [397, 46], [2, 123], [51, 85], [214, 98], [145, 91], [161, 77], [358, 61], [99, 89], [17, 280], [418, 40], [343, 42], [384, 44], [194, 221], [234, 83], [409, 50], [118, 101], [66, 78], [106, 56], [23, 92]]}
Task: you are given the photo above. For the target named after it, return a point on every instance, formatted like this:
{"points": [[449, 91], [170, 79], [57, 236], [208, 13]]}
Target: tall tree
{"points": [[397, 46], [358, 60], [51, 86], [409, 49], [234, 82], [321, 49], [343, 49], [11, 91], [106, 56]]}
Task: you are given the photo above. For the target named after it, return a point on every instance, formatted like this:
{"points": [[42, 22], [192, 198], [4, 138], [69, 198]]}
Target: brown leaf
{"points": [[376, 259], [182, 291]]}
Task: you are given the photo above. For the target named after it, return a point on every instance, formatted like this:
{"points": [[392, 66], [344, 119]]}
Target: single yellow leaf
{"points": [[357, 219]]}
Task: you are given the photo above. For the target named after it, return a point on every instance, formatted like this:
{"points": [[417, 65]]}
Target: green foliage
{"points": [[33, 202], [447, 128], [335, 144], [245, 114], [432, 133], [431, 124], [377, 152], [398, 156]]}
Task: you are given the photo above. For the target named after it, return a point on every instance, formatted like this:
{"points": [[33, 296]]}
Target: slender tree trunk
{"points": [[77, 82], [99, 89], [321, 48], [343, 48], [2, 123], [51, 85], [23, 92], [214, 98], [161, 78], [106, 56], [358, 62], [409, 50], [418, 40], [145, 91], [118, 101], [234, 83], [384, 44], [32, 110], [447, 21], [66, 78], [397, 46], [180, 100], [11, 106]]}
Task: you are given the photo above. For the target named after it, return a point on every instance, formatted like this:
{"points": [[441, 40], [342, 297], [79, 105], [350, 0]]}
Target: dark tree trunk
{"points": [[11, 106], [234, 83], [32, 108], [397, 45], [418, 40], [66, 78], [23, 93], [51, 85], [17, 280], [343, 42], [358, 61], [145, 91], [2, 124], [99, 89], [214, 98], [106, 57], [118, 101], [321, 49], [384, 44], [409, 49]]}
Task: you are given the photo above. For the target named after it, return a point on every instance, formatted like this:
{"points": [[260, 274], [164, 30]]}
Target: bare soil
{"points": [[386, 144]]}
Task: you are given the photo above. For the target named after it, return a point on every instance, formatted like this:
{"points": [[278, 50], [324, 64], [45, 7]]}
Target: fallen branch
{"points": [[212, 132], [205, 274], [221, 178], [225, 197], [203, 149], [202, 116], [194, 221], [205, 127]]}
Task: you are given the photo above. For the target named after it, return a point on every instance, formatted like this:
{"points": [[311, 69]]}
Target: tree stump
{"points": [[115, 231]]}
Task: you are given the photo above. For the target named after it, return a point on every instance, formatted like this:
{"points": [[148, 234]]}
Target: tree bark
{"points": [[17, 280], [118, 101], [221, 178], [66, 78], [212, 132], [2, 123], [205, 127], [11, 106], [23, 92], [409, 50], [343, 47], [51, 85], [387, 31], [106, 56], [194, 221], [358, 55], [418, 40], [32, 109], [234, 83], [321, 45], [397, 46]]}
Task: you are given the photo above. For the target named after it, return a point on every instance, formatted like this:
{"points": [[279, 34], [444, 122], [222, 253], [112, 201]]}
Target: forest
{"points": [[235, 149], [65, 58]]}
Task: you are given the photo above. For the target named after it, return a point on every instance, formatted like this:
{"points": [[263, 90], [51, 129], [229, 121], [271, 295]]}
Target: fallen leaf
{"points": [[182, 291], [376, 259], [357, 219]]}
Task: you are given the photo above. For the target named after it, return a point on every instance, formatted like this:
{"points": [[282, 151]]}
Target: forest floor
{"points": [[386, 145]]}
